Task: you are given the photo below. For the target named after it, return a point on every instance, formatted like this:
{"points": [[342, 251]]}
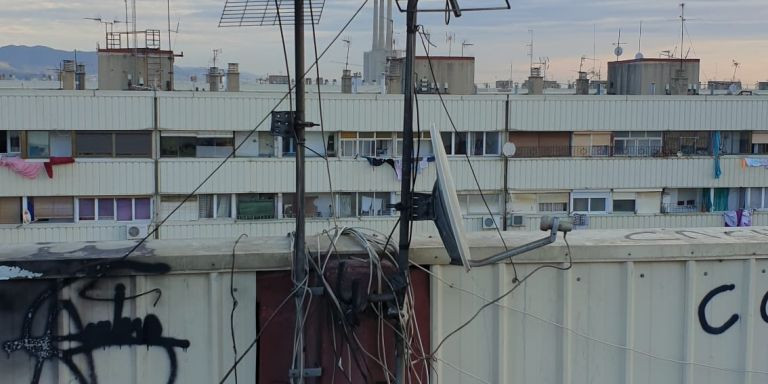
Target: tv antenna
{"points": [[449, 37], [464, 44], [530, 48], [216, 53], [639, 54], [682, 33], [347, 42], [108, 26], [736, 66], [618, 51]]}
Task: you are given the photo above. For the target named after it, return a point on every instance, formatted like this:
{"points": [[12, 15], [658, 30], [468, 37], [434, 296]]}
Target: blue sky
{"points": [[720, 32]]}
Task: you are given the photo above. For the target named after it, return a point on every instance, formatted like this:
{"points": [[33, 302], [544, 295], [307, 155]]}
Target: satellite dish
{"points": [[448, 218], [618, 51], [509, 149], [734, 88], [638, 56], [446, 214]]}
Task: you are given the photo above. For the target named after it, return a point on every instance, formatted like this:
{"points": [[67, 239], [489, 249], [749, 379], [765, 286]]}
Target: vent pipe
{"points": [[376, 24], [68, 75]]}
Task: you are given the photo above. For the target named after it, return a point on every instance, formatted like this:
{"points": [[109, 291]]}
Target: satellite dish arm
{"points": [[552, 224]]}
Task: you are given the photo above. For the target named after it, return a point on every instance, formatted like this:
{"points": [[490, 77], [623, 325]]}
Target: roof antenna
{"points": [[682, 33], [639, 54], [618, 51]]}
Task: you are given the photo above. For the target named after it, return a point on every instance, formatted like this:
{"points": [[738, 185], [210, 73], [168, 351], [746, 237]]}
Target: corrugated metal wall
{"points": [[615, 172], [85, 177], [637, 113], [191, 307], [75, 110], [603, 323], [677, 220]]}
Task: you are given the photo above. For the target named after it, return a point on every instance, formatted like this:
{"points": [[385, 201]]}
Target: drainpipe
{"points": [[506, 163], [156, 158]]}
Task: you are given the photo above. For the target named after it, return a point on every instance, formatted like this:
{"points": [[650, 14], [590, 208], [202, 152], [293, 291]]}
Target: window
{"points": [[318, 205], [624, 206], [592, 202], [178, 146], [255, 206], [553, 207], [637, 143], [133, 144], [757, 198], [374, 204], [94, 144], [109, 209], [687, 143], [44, 144], [214, 206], [484, 143], [212, 147], [52, 209], [366, 144], [10, 142], [455, 143], [113, 144], [289, 147], [10, 210]]}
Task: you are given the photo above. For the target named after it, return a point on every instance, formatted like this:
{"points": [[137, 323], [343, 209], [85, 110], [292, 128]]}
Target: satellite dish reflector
{"points": [[639, 55], [734, 88], [509, 149], [448, 219], [618, 51]]}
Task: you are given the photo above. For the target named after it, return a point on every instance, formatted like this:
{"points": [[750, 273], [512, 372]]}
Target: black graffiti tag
{"points": [[120, 331]]}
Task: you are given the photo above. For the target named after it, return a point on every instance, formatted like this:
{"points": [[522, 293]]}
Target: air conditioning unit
{"points": [[490, 222], [136, 231], [580, 220], [515, 221]]}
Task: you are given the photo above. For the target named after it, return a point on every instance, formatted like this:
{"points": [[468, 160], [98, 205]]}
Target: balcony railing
{"points": [[609, 151], [677, 208]]}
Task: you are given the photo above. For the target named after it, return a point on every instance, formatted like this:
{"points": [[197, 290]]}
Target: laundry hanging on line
{"points": [[31, 169], [754, 162], [738, 218], [420, 163]]}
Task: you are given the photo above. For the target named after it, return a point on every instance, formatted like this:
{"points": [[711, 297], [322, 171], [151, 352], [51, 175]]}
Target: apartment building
{"points": [[118, 163]]}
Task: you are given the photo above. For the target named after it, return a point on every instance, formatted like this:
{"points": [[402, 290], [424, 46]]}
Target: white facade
{"points": [[188, 134]]}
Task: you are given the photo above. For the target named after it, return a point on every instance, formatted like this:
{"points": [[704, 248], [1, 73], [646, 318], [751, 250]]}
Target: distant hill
{"points": [[25, 62]]}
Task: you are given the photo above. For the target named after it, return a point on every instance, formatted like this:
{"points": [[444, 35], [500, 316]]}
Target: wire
{"points": [[258, 335], [466, 153], [234, 300], [322, 122], [505, 294], [285, 55]]}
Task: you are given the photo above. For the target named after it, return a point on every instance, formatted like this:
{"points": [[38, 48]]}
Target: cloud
{"points": [[564, 30]]}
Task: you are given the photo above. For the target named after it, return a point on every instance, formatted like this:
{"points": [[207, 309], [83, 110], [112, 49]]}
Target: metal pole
{"points": [[299, 254], [405, 213]]}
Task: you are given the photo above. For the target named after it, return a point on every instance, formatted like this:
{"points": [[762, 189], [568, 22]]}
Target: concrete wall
{"points": [[634, 77]]}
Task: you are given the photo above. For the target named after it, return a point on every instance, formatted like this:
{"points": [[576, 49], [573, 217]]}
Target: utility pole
{"points": [[299, 251], [405, 185]]}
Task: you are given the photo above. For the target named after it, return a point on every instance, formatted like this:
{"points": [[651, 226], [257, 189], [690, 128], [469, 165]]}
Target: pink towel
{"points": [[23, 168]]}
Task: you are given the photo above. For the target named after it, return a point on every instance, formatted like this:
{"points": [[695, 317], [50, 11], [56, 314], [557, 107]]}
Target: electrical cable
{"points": [[258, 335], [234, 300], [466, 153], [322, 121], [505, 294]]}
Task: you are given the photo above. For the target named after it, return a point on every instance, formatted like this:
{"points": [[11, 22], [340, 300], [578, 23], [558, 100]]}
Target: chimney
{"points": [[582, 84], [535, 82], [214, 79], [233, 77], [68, 75], [80, 77], [382, 26], [389, 27], [376, 24], [346, 81]]}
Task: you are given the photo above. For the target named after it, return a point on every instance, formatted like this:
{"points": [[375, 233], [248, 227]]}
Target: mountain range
{"points": [[25, 62]]}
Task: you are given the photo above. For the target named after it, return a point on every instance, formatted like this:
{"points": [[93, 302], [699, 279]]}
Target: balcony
{"points": [[630, 172], [86, 177]]}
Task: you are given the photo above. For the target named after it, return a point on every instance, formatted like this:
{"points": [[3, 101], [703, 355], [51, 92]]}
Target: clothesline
{"points": [[419, 163]]}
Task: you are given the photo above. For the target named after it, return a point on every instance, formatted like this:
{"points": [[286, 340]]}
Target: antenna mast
{"points": [[682, 32], [530, 48], [346, 61], [618, 51]]}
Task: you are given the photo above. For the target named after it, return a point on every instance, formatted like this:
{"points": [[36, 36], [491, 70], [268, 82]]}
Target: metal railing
{"points": [[675, 208]]}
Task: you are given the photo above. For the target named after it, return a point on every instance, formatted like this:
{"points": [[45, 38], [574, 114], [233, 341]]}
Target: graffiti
{"points": [[87, 338], [685, 234], [712, 330]]}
